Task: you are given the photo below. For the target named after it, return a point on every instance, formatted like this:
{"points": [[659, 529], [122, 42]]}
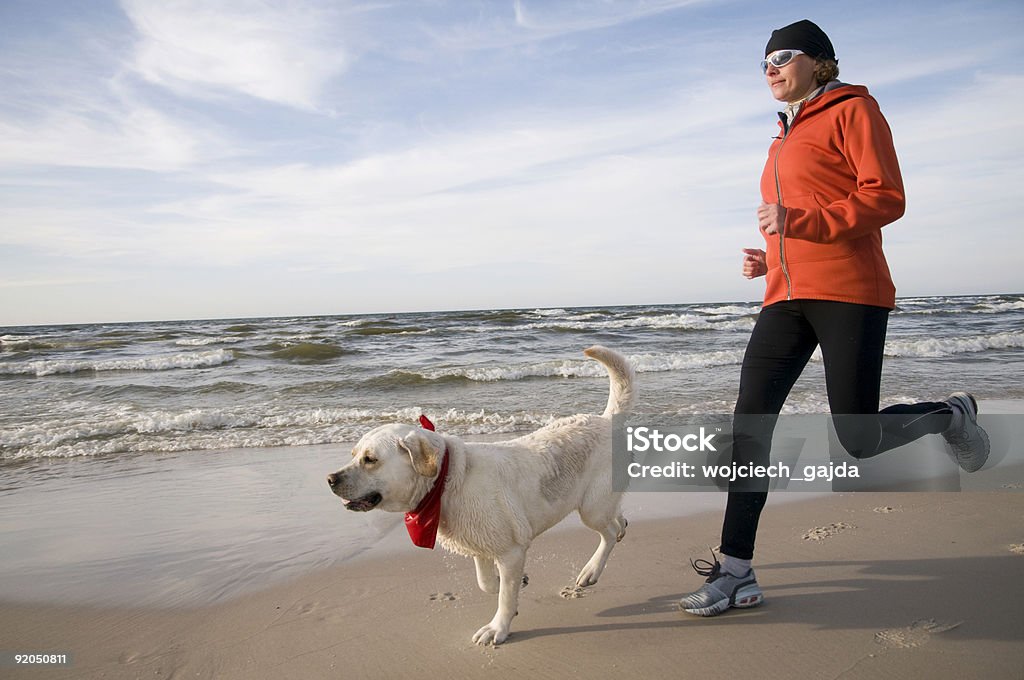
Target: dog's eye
{"points": [[369, 460]]}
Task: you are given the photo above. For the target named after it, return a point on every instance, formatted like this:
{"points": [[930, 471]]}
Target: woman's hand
{"points": [[771, 218], [754, 264]]}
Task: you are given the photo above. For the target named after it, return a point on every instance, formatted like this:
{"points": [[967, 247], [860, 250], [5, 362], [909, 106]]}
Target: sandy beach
{"points": [[858, 585], [239, 563]]}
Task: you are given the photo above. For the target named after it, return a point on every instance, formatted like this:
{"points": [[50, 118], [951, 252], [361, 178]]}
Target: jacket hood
{"points": [[830, 94], [833, 93]]}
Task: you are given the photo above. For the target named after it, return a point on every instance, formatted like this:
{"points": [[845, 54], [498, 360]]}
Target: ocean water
{"points": [[183, 462], [105, 390]]}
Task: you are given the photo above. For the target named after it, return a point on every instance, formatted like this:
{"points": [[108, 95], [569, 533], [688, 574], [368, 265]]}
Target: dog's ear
{"points": [[424, 452]]}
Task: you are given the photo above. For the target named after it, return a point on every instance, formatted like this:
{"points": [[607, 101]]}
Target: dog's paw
{"points": [[588, 576], [491, 634]]}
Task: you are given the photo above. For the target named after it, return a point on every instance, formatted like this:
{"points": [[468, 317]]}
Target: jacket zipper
{"points": [[778, 192]]}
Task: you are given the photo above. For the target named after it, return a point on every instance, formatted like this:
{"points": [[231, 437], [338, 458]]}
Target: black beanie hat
{"points": [[805, 36]]}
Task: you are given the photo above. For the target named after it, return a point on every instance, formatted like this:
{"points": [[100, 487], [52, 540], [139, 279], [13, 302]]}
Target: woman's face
{"points": [[793, 81]]}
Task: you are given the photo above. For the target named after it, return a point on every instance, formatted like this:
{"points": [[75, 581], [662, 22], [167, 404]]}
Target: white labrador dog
{"points": [[499, 496]]}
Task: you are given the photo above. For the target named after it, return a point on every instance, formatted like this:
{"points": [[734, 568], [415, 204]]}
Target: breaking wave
{"points": [[167, 362]]}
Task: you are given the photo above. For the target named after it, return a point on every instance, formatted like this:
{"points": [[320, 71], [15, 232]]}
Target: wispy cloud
{"points": [[960, 155], [545, 19], [502, 25], [121, 135], [278, 52], [459, 194]]}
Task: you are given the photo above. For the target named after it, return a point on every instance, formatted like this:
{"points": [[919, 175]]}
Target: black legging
{"points": [[852, 339]]}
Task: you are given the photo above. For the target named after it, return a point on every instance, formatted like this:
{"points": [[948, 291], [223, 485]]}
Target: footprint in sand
{"points": [[1017, 548], [443, 597], [914, 635], [573, 592], [886, 509], [821, 533]]}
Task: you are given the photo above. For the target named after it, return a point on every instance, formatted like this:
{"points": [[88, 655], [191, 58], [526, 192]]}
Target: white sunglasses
{"points": [[778, 59]]}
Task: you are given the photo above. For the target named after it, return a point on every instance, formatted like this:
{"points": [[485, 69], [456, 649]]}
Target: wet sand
{"points": [[857, 585]]}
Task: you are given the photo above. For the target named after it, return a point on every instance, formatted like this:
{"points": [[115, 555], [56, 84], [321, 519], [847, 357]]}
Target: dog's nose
{"points": [[333, 479]]}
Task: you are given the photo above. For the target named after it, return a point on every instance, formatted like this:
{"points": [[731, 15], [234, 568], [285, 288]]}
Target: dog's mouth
{"points": [[367, 502]]}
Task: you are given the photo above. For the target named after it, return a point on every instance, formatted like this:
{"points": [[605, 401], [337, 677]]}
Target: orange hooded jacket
{"points": [[835, 171]]}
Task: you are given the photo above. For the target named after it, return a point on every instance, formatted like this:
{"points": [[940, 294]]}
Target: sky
{"points": [[183, 159]]}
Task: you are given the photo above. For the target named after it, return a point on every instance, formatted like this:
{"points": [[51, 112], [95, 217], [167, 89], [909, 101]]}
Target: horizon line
{"points": [[443, 311]]}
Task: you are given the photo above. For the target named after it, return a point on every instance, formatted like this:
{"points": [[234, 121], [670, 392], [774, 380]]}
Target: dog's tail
{"points": [[622, 378]]}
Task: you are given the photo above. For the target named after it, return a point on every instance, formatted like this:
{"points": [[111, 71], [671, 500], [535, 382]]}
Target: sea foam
{"points": [[167, 362]]}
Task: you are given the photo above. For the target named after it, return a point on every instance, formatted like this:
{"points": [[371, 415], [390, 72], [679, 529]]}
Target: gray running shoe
{"points": [[968, 442], [721, 591]]}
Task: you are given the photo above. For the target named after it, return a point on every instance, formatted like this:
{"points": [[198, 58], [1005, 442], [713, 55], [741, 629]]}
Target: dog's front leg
{"points": [[510, 570], [486, 574]]}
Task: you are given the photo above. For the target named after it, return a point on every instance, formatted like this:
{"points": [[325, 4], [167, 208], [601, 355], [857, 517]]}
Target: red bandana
{"points": [[422, 522]]}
